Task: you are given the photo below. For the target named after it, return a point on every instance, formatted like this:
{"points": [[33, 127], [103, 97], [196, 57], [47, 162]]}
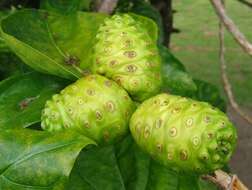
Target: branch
{"points": [[226, 83], [231, 27], [225, 181], [107, 6], [246, 3]]}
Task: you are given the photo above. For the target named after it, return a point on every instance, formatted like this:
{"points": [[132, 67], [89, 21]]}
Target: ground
{"points": [[197, 47]]}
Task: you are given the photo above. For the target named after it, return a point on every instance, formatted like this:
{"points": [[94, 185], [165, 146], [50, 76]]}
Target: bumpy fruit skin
{"points": [[183, 134], [94, 105], [125, 53]]}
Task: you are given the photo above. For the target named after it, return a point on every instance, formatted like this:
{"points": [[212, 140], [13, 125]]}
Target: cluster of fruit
{"points": [[124, 93]]}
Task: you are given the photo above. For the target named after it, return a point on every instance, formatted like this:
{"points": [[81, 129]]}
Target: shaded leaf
{"points": [[10, 65], [175, 79], [61, 6], [22, 98], [209, 93], [36, 160]]}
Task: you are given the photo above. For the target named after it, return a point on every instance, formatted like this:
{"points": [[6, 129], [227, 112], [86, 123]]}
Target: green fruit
{"points": [[94, 105], [184, 134], [125, 53]]}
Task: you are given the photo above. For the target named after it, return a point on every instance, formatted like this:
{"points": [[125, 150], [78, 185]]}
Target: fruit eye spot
{"points": [[110, 106], [158, 123], [189, 122], [169, 156], [210, 135], [70, 110], [173, 132], [80, 101], [87, 125], [98, 115], [113, 63], [108, 83], [130, 54], [196, 141], [123, 34], [90, 92], [118, 80], [131, 68], [146, 132], [164, 103], [222, 124], [207, 119], [97, 61], [159, 147], [106, 136], [183, 155], [176, 110]]}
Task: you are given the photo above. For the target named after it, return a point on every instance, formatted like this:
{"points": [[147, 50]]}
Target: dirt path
{"points": [[241, 163]]}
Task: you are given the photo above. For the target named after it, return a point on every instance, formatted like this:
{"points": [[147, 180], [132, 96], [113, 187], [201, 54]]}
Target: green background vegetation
{"points": [[197, 45]]}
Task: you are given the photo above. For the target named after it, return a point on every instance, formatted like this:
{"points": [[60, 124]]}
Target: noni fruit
{"points": [[96, 106], [183, 134], [125, 53]]}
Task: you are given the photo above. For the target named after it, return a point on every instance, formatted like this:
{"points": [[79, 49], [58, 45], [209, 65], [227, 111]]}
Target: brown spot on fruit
{"points": [[189, 122], [146, 132], [196, 141], [90, 92], [87, 125], [131, 68], [108, 83], [130, 54], [113, 63], [173, 132], [169, 156], [160, 147], [183, 155], [110, 106], [98, 115], [106, 136]]}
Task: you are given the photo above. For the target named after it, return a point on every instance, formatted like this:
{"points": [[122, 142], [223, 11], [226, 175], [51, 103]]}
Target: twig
{"points": [[225, 181], [107, 6], [246, 3], [226, 83], [231, 27]]}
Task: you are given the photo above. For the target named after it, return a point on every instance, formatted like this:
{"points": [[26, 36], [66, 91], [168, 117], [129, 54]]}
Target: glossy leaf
{"points": [[97, 168], [10, 65], [209, 93], [22, 98], [175, 79], [61, 6], [126, 167], [52, 43], [36, 160]]}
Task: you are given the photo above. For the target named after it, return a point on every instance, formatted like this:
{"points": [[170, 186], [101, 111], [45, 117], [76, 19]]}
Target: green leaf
{"points": [[125, 167], [98, 169], [61, 6], [175, 79], [22, 98], [52, 43], [209, 93], [10, 65], [36, 160]]}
